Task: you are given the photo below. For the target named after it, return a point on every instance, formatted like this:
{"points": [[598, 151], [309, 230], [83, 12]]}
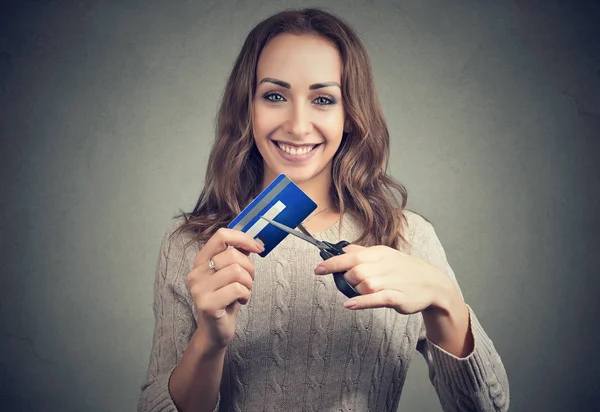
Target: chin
{"points": [[299, 177], [302, 176]]}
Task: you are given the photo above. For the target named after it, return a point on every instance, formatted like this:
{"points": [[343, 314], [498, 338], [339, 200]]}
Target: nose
{"points": [[299, 122]]}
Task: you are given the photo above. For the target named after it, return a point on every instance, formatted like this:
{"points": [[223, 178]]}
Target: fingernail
{"points": [[320, 270], [349, 304], [260, 244]]}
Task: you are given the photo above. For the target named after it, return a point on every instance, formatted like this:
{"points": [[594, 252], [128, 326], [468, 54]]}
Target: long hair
{"points": [[360, 183]]}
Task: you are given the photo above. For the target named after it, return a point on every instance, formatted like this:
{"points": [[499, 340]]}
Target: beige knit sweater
{"points": [[297, 348]]}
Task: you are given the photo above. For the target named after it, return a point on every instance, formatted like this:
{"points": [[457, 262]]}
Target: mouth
{"points": [[294, 150]]}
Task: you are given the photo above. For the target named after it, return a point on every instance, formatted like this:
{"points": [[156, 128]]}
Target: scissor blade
{"points": [[303, 230], [294, 232]]}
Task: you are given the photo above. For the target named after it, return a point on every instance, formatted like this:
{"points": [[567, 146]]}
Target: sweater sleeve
{"points": [[174, 323], [477, 382]]}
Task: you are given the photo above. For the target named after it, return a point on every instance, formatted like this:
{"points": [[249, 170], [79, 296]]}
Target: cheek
{"points": [[261, 122], [335, 128]]}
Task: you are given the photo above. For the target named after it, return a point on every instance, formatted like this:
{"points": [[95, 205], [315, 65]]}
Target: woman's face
{"points": [[298, 116]]}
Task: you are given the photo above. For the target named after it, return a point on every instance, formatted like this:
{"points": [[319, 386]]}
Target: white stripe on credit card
{"points": [[260, 224]]}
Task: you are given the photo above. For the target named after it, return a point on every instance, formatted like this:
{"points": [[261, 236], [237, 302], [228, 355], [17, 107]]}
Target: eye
{"points": [[325, 100], [273, 97]]}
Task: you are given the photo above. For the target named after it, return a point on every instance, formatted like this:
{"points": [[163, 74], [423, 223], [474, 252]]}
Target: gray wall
{"points": [[107, 116]]}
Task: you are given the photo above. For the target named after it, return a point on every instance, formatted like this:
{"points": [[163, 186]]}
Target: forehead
{"points": [[298, 58]]}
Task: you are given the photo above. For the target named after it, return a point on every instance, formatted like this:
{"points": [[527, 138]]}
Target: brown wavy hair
{"points": [[361, 185]]}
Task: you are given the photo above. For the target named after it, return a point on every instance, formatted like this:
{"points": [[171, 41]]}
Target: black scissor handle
{"points": [[340, 282]]}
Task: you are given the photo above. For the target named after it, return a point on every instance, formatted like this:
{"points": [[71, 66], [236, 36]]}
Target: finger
{"points": [[247, 253], [342, 263], [353, 248], [233, 256], [202, 282], [222, 239], [366, 279], [221, 299], [382, 299], [381, 274], [230, 294], [230, 274]]}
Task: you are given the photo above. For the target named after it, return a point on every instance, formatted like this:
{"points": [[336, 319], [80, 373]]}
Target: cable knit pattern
{"points": [[360, 337], [280, 336], [396, 380], [238, 361], [297, 348], [319, 345], [380, 360], [401, 367]]}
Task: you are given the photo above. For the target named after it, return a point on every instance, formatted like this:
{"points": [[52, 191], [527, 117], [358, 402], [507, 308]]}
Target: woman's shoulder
{"points": [[417, 228], [175, 238]]}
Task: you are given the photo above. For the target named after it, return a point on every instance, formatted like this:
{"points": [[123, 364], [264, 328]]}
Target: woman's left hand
{"points": [[386, 277]]}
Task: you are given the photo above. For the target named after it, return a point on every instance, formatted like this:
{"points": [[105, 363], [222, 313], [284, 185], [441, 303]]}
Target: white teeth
{"points": [[295, 151]]}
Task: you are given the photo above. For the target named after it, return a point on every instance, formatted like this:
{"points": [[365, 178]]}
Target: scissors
{"points": [[327, 249]]}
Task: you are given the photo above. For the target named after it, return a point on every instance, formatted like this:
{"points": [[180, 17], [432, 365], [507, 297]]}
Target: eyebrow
{"points": [[286, 85]]}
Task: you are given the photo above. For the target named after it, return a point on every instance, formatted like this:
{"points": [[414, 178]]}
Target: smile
{"points": [[296, 150], [294, 153]]}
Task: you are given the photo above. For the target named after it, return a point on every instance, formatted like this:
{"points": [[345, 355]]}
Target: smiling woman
{"points": [[237, 332]]}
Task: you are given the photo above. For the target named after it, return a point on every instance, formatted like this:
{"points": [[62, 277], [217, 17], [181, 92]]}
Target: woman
{"points": [[238, 332]]}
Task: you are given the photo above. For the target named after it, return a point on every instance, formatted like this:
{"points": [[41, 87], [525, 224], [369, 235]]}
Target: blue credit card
{"points": [[283, 202]]}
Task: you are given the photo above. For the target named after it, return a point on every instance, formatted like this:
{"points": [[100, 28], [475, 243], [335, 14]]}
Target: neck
{"points": [[318, 189], [318, 192]]}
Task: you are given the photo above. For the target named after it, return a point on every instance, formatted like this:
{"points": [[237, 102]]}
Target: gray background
{"points": [[107, 117]]}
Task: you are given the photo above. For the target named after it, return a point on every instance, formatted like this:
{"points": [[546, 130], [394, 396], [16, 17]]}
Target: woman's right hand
{"points": [[218, 294]]}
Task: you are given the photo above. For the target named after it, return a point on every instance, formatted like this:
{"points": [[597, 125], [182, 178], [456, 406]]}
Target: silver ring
{"points": [[211, 265]]}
